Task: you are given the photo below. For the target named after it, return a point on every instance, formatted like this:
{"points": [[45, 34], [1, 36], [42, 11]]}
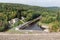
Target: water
{"points": [[33, 27]]}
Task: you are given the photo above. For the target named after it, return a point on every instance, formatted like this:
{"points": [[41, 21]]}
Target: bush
{"points": [[48, 19], [54, 27], [17, 23], [2, 28], [32, 16]]}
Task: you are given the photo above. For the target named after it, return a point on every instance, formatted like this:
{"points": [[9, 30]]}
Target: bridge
{"points": [[28, 23]]}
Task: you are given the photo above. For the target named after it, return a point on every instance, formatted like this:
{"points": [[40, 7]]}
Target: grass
{"points": [[19, 32], [15, 32]]}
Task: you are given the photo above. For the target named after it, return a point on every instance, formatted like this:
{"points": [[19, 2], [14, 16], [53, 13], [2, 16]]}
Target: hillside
{"points": [[5, 6], [53, 8], [9, 11]]}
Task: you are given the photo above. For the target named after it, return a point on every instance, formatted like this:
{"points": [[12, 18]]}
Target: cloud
{"points": [[35, 2]]}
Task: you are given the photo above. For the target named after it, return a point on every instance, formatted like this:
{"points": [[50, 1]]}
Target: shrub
{"points": [[17, 23], [54, 27], [4, 27]]}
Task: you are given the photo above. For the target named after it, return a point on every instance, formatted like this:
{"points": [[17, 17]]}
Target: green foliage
{"points": [[2, 28], [55, 26], [17, 23], [44, 14], [35, 15], [11, 11], [48, 19], [3, 21], [58, 16]]}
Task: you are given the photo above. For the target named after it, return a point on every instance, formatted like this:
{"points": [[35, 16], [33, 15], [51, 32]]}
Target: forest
{"points": [[50, 15]]}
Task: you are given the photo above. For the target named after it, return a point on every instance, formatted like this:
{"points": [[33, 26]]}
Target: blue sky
{"points": [[44, 3]]}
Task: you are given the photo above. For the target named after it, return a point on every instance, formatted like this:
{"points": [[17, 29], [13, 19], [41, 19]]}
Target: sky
{"points": [[44, 3]]}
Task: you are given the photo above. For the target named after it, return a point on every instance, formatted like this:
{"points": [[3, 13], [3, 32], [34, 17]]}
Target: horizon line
{"points": [[28, 4]]}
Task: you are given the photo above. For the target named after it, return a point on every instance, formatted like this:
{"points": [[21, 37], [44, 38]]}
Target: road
{"points": [[41, 36], [28, 23]]}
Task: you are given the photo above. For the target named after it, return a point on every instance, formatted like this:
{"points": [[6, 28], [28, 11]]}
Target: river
{"points": [[33, 27]]}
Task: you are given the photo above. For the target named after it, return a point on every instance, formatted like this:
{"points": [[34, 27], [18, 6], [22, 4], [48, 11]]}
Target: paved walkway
{"points": [[41, 36]]}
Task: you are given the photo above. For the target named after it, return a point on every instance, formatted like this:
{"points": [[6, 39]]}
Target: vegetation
{"points": [[17, 23], [8, 11]]}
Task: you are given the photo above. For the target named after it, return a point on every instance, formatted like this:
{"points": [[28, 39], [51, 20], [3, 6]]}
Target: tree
{"points": [[3, 21], [58, 16]]}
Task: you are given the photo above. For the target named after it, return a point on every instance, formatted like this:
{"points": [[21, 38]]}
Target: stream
{"points": [[33, 27]]}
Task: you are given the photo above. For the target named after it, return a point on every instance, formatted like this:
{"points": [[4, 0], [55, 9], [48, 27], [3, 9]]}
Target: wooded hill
{"points": [[9, 11]]}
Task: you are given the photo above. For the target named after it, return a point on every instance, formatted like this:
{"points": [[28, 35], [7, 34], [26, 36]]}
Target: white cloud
{"points": [[35, 2]]}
